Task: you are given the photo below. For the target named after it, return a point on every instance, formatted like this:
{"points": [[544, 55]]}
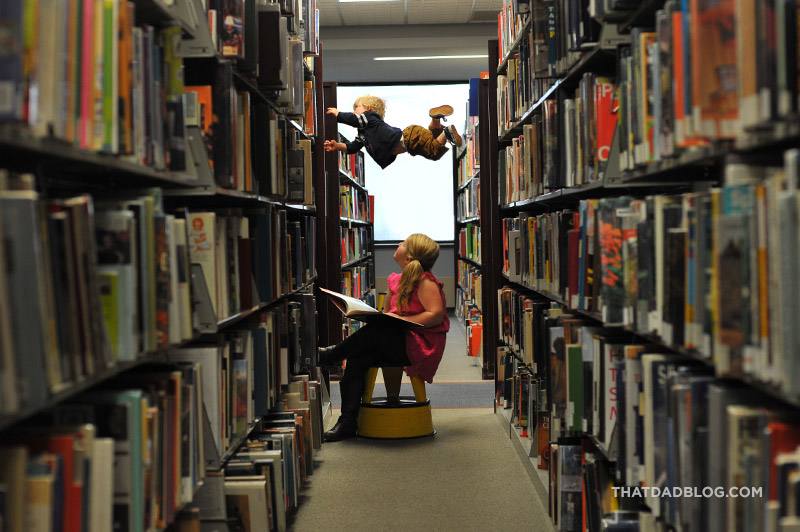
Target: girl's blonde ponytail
{"points": [[422, 254]]}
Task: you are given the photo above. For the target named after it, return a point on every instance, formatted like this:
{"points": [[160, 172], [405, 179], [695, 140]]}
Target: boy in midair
{"points": [[384, 142]]}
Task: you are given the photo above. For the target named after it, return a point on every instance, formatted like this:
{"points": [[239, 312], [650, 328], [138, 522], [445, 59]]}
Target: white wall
{"points": [[413, 194], [443, 269]]}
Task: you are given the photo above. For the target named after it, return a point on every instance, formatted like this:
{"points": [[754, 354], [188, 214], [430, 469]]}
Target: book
{"points": [[358, 310]]}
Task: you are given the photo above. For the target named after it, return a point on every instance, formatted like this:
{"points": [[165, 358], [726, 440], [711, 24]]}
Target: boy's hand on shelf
{"points": [[332, 145], [332, 111]]}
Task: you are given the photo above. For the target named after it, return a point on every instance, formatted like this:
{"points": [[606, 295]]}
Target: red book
{"points": [[783, 438], [475, 339], [63, 445], [605, 109]]}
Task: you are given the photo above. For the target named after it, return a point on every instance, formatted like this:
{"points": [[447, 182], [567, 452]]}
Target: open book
{"points": [[358, 310]]}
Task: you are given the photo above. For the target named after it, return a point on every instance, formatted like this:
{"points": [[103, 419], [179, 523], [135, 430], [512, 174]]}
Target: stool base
{"points": [[393, 421]]}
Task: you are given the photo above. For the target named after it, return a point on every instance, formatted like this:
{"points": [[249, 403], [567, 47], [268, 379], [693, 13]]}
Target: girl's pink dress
{"points": [[424, 347]]}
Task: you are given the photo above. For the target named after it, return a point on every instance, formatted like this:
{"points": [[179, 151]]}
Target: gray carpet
{"points": [[441, 395], [468, 477]]}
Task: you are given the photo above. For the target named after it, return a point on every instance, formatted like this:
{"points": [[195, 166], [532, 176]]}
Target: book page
{"points": [[353, 305]]}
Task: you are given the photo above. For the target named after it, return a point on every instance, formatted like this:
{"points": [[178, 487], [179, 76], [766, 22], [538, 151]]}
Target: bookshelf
{"points": [[639, 225], [467, 230], [159, 264], [348, 225]]}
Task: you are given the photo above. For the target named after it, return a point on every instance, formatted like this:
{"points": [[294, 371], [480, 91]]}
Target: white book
{"points": [[101, 505], [202, 250], [277, 490], [210, 362], [249, 496], [184, 290], [221, 268]]}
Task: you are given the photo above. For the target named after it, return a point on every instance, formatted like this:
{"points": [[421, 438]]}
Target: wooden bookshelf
{"points": [[675, 172], [339, 223], [175, 306]]}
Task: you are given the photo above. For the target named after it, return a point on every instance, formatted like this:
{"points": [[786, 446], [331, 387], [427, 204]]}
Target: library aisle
{"points": [[468, 477]]}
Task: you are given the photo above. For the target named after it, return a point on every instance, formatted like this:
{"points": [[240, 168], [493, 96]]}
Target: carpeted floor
{"points": [[444, 395], [468, 477]]}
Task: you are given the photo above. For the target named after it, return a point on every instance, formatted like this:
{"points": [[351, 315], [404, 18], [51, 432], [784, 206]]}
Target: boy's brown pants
{"points": [[422, 141]]}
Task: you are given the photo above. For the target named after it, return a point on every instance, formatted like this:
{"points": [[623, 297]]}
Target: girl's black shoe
{"points": [[342, 430], [325, 356]]}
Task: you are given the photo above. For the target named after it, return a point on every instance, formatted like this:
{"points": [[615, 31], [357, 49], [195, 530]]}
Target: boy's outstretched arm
{"points": [[350, 119], [349, 147]]}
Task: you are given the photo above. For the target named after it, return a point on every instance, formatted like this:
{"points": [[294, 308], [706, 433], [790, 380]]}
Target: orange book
{"points": [[714, 96], [371, 209], [71, 92], [679, 101], [309, 115], [204, 100], [475, 339]]}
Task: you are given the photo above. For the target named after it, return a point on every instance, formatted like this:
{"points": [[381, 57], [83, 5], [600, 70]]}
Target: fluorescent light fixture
{"points": [[347, 1], [423, 57]]}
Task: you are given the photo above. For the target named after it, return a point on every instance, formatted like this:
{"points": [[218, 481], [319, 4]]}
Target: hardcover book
{"points": [[358, 310]]}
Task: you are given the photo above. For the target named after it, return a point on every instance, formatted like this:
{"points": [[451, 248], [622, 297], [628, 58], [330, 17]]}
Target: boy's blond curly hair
{"points": [[371, 103]]}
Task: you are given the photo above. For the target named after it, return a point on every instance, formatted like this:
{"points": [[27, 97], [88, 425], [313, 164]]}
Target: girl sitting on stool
{"points": [[416, 295]]}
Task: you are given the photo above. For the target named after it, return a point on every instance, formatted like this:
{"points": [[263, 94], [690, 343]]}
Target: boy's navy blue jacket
{"points": [[377, 136]]}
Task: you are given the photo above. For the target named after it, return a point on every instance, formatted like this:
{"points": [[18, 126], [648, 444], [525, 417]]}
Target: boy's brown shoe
{"points": [[452, 135], [441, 111]]}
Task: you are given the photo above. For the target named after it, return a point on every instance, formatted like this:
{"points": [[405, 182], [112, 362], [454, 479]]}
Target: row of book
{"points": [[124, 457], [262, 483], [555, 30], [469, 242], [273, 250], [119, 89], [352, 164], [468, 200], [709, 271], [569, 145], [250, 147], [354, 204], [706, 73], [358, 281], [470, 165], [132, 455], [554, 33], [469, 282], [246, 371], [356, 243], [468, 306], [131, 272], [598, 388], [512, 20]]}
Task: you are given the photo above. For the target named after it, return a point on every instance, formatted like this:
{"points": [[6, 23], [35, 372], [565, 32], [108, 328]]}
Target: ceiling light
{"points": [[346, 1], [420, 57]]}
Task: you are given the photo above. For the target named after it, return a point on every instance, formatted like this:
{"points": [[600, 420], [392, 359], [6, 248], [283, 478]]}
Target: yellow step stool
{"points": [[410, 418]]}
